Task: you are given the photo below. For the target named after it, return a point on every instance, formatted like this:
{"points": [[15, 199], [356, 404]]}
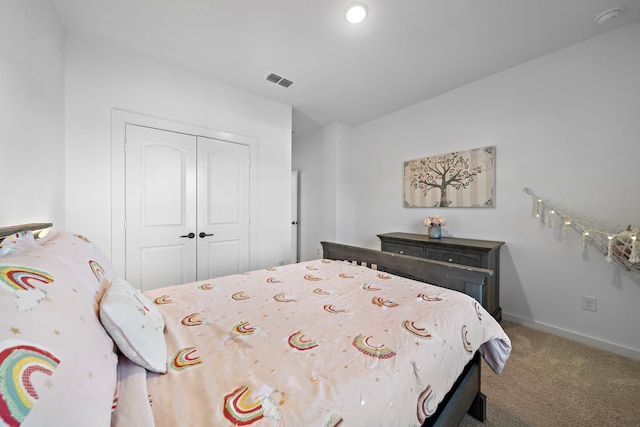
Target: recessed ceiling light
{"points": [[608, 15], [356, 12]]}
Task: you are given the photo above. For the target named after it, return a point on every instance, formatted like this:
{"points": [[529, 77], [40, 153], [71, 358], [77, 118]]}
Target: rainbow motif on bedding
{"points": [[311, 278], [23, 278], [465, 340], [414, 329], [243, 328], [383, 276], [311, 267], [273, 280], [381, 302], [19, 235], [426, 404], [116, 395], [361, 342], [22, 281], [320, 291], [164, 299], [205, 287], [84, 239], [238, 411], [334, 421], [282, 297], [142, 306], [185, 358], [428, 298], [346, 276], [192, 319], [18, 362], [476, 307], [89, 243], [333, 309], [297, 341], [97, 270], [370, 287], [239, 296]]}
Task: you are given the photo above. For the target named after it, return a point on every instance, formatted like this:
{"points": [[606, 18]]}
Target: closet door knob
{"points": [[190, 235], [203, 234]]}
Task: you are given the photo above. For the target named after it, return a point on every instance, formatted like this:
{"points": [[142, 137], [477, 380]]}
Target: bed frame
{"points": [[465, 395]]}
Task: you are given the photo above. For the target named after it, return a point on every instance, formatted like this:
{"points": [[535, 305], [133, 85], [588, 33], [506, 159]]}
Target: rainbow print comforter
{"points": [[320, 343]]}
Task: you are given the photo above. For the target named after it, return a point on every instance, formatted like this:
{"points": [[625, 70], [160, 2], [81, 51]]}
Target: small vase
{"points": [[435, 232]]}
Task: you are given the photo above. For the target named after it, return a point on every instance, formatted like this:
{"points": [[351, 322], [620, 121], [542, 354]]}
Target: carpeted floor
{"points": [[552, 381]]}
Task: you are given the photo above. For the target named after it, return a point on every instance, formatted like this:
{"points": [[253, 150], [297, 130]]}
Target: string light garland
{"points": [[622, 247]]}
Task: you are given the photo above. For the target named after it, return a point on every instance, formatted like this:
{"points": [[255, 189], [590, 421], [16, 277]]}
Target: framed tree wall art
{"points": [[464, 179]]}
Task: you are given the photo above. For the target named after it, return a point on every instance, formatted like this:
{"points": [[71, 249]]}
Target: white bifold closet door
{"points": [[187, 207]]}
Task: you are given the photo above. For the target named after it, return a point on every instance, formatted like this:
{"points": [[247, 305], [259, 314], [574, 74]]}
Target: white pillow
{"points": [[135, 324]]}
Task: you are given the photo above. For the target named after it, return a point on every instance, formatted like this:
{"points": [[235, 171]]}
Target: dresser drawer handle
{"points": [[401, 252], [450, 259]]}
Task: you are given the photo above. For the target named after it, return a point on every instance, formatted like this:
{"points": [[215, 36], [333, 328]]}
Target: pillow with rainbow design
{"points": [[56, 360]]}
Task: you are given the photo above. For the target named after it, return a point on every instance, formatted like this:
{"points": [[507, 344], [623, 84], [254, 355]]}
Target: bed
{"points": [[354, 338]]}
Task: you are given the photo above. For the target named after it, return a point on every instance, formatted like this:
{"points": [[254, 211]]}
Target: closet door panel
{"points": [[159, 267], [223, 181], [162, 186], [160, 204], [223, 258], [223, 208]]}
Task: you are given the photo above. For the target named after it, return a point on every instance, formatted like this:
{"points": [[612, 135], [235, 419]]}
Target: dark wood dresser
{"points": [[474, 253]]}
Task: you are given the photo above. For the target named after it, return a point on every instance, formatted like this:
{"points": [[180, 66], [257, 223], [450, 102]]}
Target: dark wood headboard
{"points": [[462, 278]]}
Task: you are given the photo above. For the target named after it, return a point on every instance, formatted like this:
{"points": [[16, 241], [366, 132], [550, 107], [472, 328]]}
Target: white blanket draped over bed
{"points": [[310, 344]]}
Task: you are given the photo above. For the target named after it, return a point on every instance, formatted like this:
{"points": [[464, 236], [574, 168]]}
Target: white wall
{"points": [[99, 78], [31, 113], [565, 125]]}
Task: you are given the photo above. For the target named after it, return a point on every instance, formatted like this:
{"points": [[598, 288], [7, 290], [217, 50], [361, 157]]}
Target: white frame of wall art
{"points": [[463, 179]]}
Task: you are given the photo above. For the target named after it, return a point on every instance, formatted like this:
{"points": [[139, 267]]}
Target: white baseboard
{"points": [[593, 342]]}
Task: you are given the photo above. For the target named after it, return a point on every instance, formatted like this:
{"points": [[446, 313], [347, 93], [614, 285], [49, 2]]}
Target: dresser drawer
{"points": [[404, 249], [464, 258]]}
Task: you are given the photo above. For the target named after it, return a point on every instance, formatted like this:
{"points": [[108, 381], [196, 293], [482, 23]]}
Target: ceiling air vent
{"points": [[274, 78]]}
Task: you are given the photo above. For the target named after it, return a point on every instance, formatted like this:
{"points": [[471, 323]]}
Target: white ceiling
{"points": [[406, 51]]}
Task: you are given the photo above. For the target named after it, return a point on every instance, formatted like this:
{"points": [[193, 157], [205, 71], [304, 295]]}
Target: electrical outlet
{"points": [[589, 303]]}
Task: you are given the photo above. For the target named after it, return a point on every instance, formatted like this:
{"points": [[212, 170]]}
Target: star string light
{"points": [[617, 244]]}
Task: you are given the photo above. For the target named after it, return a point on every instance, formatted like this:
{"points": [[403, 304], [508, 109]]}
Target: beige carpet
{"points": [[552, 381]]}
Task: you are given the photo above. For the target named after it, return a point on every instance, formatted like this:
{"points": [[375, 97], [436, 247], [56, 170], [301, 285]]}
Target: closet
{"points": [[186, 207]]}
